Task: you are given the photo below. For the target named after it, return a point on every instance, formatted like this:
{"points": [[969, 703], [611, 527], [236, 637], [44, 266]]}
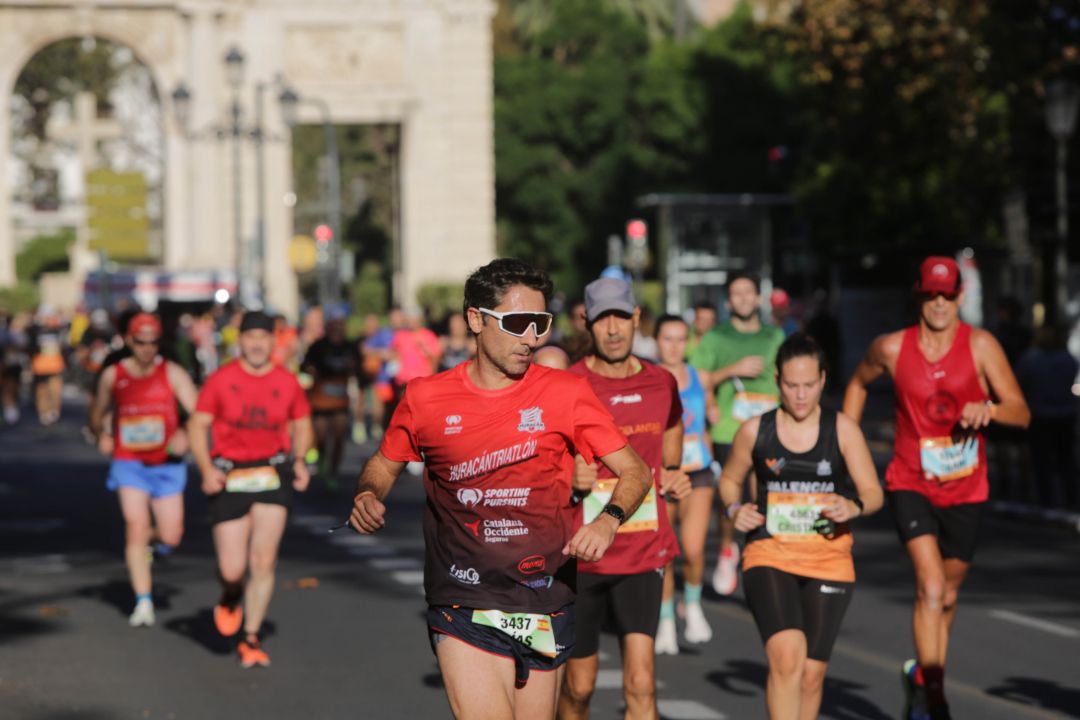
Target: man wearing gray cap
{"points": [[627, 582]]}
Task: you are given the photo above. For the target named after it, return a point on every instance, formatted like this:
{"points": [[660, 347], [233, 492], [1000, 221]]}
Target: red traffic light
{"points": [[323, 234], [636, 229]]}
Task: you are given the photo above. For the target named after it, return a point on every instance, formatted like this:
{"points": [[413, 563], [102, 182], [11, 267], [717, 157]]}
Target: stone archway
{"points": [[425, 65]]}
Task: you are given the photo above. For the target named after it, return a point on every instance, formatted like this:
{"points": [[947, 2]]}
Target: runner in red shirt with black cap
{"points": [[247, 408], [952, 380], [498, 435], [143, 391], [628, 582]]}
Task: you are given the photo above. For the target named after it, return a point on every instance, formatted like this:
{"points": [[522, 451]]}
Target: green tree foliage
{"points": [[45, 253]]}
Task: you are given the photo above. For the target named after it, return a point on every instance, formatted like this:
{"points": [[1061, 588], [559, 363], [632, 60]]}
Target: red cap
{"points": [[779, 298], [938, 274], [144, 321]]}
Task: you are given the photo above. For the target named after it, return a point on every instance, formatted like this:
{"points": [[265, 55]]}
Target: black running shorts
{"points": [[780, 600], [227, 506], [956, 526], [630, 602], [457, 621]]}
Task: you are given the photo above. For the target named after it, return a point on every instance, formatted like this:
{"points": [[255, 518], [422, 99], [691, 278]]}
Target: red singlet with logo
{"points": [[644, 405], [251, 412], [145, 414], [932, 456], [498, 482]]}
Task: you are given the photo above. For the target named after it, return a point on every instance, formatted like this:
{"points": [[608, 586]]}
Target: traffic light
{"points": [[636, 257], [323, 234]]}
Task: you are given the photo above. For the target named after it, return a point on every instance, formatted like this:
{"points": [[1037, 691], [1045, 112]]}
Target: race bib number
{"points": [[336, 390], [791, 516], [530, 629], [644, 518], [250, 480], [944, 460], [693, 453], [142, 432], [749, 405]]}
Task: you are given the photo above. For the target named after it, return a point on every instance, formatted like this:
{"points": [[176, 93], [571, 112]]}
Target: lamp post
{"points": [[329, 278], [248, 263], [1062, 99]]}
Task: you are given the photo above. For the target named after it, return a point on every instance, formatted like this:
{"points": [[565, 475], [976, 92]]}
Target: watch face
{"points": [[616, 512]]}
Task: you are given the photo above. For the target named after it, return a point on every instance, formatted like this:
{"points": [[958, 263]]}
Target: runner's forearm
{"points": [[198, 427], [855, 399], [673, 446], [378, 476]]}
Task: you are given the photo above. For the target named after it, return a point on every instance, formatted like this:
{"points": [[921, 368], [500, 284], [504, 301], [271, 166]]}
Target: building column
{"points": [[7, 226]]}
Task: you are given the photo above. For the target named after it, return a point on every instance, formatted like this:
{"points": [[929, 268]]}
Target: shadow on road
{"points": [[1039, 693], [199, 628], [119, 594]]}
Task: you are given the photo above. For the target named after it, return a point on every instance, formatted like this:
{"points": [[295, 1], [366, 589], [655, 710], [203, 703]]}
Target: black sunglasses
{"points": [[518, 323], [134, 341], [928, 296]]}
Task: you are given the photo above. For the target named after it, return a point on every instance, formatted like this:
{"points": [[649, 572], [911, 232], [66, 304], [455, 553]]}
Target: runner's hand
{"points": [[367, 514], [839, 509], [976, 415], [750, 366], [106, 444], [213, 481], [748, 518], [713, 415], [591, 541], [301, 475], [675, 483], [584, 474], [178, 444]]}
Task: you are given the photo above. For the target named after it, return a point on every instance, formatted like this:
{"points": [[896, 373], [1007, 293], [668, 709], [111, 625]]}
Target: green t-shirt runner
{"points": [[739, 398]]}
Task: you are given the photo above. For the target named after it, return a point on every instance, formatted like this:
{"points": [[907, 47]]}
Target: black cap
{"points": [[256, 320]]}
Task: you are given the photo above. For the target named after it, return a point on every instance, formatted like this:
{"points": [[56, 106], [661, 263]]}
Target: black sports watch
{"points": [[616, 512]]}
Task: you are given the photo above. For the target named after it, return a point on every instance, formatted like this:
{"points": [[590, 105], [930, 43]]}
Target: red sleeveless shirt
{"points": [[932, 455], [145, 415]]}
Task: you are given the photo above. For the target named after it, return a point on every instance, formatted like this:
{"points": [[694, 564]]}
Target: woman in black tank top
{"points": [[812, 474]]}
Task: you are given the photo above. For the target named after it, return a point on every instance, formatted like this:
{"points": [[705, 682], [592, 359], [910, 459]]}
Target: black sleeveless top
{"points": [[787, 474]]}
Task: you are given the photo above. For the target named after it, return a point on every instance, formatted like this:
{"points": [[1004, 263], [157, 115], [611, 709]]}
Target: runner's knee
{"points": [[262, 563], [171, 536], [640, 684], [138, 531], [931, 592], [813, 677], [579, 687]]}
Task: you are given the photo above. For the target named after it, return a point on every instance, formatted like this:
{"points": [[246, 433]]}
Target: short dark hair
{"points": [[740, 275], [664, 320], [799, 345], [704, 305], [487, 285]]}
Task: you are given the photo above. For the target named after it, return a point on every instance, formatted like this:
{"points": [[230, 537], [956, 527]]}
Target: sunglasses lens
{"points": [[518, 323]]}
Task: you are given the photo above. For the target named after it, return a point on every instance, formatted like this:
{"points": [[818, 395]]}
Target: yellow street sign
{"points": [[116, 216], [302, 253]]}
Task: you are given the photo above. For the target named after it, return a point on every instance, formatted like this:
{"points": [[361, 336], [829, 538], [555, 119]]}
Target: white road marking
{"points": [[395, 563], [687, 710], [350, 539], [39, 565], [370, 551], [1036, 623], [322, 521], [408, 577], [612, 680]]}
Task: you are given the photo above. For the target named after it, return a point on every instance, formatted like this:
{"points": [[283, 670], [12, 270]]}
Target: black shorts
{"points": [[227, 505], [329, 413], [631, 602], [720, 451], [703, 478], [779, 601], [956, 526], [456, 621]]}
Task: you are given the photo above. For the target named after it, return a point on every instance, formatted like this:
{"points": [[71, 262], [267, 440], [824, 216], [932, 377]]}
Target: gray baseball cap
{"points": [[607, 294]]}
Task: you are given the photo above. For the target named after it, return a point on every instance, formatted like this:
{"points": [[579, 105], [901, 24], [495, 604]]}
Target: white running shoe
{"points": [[726, 576], [143, 616], [667, 638], [697, 627]]}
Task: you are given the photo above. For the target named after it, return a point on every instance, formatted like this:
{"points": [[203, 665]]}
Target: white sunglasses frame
{"points": [[499, 316]]}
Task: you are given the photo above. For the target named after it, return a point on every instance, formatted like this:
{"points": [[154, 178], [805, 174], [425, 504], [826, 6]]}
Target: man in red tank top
{"points": [[497, 435], [143, 391], [952, 380]]}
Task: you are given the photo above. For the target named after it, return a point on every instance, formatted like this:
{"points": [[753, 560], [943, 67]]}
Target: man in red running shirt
{"points": [[628, 581], [248, 407], [143, 391], [498, 435], [952, 380]]}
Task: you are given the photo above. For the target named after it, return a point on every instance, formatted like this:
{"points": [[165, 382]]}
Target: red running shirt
{"points": [[644, 406], [498, 483], [251, 412], [145, 414], [932, 456]]}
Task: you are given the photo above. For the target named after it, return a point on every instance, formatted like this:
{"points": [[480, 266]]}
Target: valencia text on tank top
{"points": [[932, 455], [791, 491], [146, 416]]}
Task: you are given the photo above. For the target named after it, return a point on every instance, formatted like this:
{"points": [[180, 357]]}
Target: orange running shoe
{"points": [[228, 619], [252, 654]]}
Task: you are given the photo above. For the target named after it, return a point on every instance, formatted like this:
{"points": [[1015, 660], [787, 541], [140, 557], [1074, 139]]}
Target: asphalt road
{"points": [[347, 638]]}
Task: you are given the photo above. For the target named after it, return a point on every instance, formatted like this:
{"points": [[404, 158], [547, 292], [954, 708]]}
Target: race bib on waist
{"points": [[530, 629], [749, 405], [336, 390], [944, 460], [693, 453], [644, 518], [249, 480], [791, 516], [139, 433]]}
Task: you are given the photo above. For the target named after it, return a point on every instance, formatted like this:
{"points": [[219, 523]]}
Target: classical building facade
{"points": [[424, 64]]}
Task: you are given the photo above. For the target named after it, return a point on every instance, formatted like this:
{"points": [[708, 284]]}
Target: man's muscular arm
{"points": [[879, 360], [372, 487], [591, 541]]}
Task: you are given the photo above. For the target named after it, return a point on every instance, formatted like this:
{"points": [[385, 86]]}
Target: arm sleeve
{"points": [[595, 432], [399, 443]]}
